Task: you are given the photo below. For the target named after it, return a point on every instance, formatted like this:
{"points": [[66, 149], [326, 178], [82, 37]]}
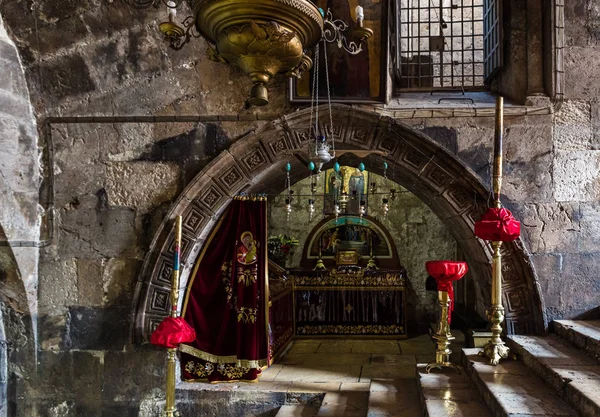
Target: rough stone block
{"points": [[98, 328], [89, 282], [143, 185], [57, 285], [97, 234], [55, 374], [133, 374], [51, 38], [573, 126], [590, 227], [550, 227], [118, 281], [88, 368], [577, 175], [70, 77], [582, 80], [52, 330]]}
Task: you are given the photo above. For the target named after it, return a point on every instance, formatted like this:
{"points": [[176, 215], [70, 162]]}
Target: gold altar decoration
{"points": [[262, 38], [170, 406], [443, 337], [495, 350]]}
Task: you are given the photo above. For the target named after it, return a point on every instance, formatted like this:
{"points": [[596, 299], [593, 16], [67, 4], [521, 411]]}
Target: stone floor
{"points": [[333, 377]]}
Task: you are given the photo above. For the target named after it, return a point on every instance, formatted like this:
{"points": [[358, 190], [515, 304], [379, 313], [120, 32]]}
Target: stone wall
{"points": [[114, 183], [417, 233]]}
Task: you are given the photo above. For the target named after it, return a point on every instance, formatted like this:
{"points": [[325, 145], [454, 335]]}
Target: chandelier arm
{"points": [[333, 32]]}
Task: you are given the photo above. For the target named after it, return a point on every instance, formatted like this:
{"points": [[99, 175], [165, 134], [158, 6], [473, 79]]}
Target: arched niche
{"points": [[256, 163], [388, 260]]}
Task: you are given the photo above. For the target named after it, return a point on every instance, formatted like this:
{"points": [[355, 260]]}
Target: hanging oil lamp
{"points": [[311, 209], [362, 208], [385, 207]]}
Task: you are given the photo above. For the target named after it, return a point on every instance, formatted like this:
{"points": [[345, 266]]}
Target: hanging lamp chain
{"points": [[329, 99]]}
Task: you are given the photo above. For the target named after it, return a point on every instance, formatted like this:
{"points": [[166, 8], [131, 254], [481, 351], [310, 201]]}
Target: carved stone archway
{"points": [[255, 164]]}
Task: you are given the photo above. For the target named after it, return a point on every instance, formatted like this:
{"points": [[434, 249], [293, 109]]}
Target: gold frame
{"points": [[347, 257]]}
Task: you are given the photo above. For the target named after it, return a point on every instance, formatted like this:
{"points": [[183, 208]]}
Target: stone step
{"points": [[511, 389], [585, 334], [447, 393], [574, 375], [297, 410]]}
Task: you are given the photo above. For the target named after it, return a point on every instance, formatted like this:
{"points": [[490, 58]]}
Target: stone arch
{"points": [[256, 162]]}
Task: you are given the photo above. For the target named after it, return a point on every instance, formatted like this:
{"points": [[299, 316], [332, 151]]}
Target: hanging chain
{"points": [[329, 99], [314, 86]]}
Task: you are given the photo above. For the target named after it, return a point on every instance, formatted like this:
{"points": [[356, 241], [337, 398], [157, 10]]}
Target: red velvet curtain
{"points": [[226, 303]]}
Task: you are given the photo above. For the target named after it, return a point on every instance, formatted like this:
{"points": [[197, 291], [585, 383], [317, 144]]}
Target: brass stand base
{"points": [[320, 266], [433, 365], [495, 352], [170, 414]]}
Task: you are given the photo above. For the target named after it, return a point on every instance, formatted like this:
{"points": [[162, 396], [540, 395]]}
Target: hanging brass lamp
{"points": [[262, 38]]}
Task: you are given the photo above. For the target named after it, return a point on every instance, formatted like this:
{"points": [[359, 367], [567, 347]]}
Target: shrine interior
{"points": [[277, 208]]}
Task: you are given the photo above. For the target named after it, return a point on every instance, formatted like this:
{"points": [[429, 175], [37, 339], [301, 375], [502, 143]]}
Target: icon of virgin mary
{"points": [[246, 251]]}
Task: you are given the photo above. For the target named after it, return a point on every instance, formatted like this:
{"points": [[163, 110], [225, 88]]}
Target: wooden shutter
{"points": [[492, 39]]}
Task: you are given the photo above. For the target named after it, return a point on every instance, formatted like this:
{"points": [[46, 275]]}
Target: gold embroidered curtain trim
{"points": [[259, 363]]}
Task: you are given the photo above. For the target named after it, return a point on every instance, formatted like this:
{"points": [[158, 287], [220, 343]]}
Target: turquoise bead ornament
{"points": [[288, 167], [311, 166], [385, 165], [361, 167], [336, 167]]}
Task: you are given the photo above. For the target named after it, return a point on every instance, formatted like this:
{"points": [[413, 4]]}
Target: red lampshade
{"points": [[171, 332], [498, 224], [445, 272]]}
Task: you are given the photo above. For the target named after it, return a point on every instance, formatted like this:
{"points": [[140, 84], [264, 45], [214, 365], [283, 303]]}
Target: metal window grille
{"points": [[440, 44], [491, 39]]}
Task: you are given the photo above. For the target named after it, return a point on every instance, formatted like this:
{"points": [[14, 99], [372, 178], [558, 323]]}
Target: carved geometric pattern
{"points": [[212, 197], [337, 132], [459, 197], [187, 242], [254, 160], [194, 219], [164, 274], [514, 301], [160, 300], [414, 158], [232, 179], [387, 144], [438, 177], [361, 136], [300, 137]]}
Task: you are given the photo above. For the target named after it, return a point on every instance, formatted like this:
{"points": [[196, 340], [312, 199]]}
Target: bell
{"points": [[259, 96]]}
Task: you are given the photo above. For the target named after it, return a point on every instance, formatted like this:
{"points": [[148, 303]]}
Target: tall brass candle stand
{"points": [[495, 350], [170, 407], [443, 336]]}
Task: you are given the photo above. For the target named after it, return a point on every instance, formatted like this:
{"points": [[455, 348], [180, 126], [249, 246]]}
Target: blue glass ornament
{"points": [[288, 167], [361, 167], [322, 12], [311, 166], [336, 167], [385, 165]]}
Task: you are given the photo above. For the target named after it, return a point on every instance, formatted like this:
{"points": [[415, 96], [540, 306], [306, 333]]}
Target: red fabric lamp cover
{"points": [[445, 272], [171, 332], [498, 224]]}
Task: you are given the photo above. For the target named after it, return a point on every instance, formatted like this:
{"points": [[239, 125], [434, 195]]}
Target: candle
{"points": [[171, 9], [360, 15]]}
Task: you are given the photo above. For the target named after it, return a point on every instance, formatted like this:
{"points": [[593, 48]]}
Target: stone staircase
{"points": [[554, 375]]}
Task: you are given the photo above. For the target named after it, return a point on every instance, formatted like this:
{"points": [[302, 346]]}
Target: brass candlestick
{"points": [[495, 350], [170, 407], [443, 336]]}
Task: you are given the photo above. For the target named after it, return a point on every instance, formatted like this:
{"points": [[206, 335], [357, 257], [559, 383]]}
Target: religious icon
{"points": [[246, 251]]}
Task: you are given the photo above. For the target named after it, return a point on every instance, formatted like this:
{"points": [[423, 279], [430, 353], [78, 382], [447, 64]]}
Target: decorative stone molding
{"points": [[255, 164]]}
